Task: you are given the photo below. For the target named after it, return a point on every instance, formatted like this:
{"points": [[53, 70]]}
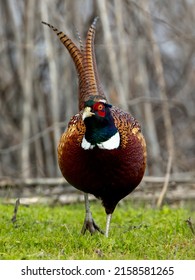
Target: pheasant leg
{"points": [[109, 216], [89, 223]]}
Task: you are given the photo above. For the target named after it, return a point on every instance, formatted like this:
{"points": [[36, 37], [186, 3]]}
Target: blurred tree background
{"points": [[145, 56]]}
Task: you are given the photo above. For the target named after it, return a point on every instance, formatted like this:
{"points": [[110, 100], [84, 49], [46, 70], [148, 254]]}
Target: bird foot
{"points": [[90, 225]]}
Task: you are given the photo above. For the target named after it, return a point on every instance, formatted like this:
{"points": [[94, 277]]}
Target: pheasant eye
{"points": [[98, 107]]}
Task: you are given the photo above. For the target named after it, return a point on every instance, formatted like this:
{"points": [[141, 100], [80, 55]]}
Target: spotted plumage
{"points": [[102, 151]]}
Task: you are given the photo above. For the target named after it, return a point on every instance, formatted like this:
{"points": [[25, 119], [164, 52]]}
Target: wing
{"points": [[127, 126]]}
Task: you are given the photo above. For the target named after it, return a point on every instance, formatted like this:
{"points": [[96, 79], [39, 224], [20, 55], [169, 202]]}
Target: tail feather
{"points": [[85, 63], [70, 46], [90, 66]]}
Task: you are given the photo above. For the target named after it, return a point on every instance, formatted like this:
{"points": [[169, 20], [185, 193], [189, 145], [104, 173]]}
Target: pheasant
{"points": [[102, 152]]}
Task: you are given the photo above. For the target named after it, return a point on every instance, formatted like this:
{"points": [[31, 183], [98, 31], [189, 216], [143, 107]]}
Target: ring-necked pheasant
{"points": [[102, 152]]}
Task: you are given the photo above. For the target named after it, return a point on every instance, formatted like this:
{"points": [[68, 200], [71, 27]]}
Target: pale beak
{"points": [[87, 113]]}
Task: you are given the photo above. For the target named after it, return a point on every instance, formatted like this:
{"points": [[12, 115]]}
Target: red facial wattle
{"points": [[100, 109]]}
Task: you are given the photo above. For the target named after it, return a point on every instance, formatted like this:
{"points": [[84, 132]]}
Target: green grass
{"points": [[42, 232]]}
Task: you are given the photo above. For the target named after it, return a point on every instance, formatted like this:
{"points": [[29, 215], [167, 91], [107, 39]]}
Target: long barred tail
{"points": [[85, 63], [89, 61], [71, 47]]}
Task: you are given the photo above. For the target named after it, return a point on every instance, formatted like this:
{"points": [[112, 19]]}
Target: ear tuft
{"points": [[108, 105]]}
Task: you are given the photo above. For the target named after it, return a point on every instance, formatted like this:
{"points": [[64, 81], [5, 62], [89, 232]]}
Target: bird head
{"points": [[100, 127], [96, 108]]}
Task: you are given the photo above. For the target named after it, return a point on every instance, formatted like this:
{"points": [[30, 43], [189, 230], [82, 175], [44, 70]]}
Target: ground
{"points": [[137, 232]]}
